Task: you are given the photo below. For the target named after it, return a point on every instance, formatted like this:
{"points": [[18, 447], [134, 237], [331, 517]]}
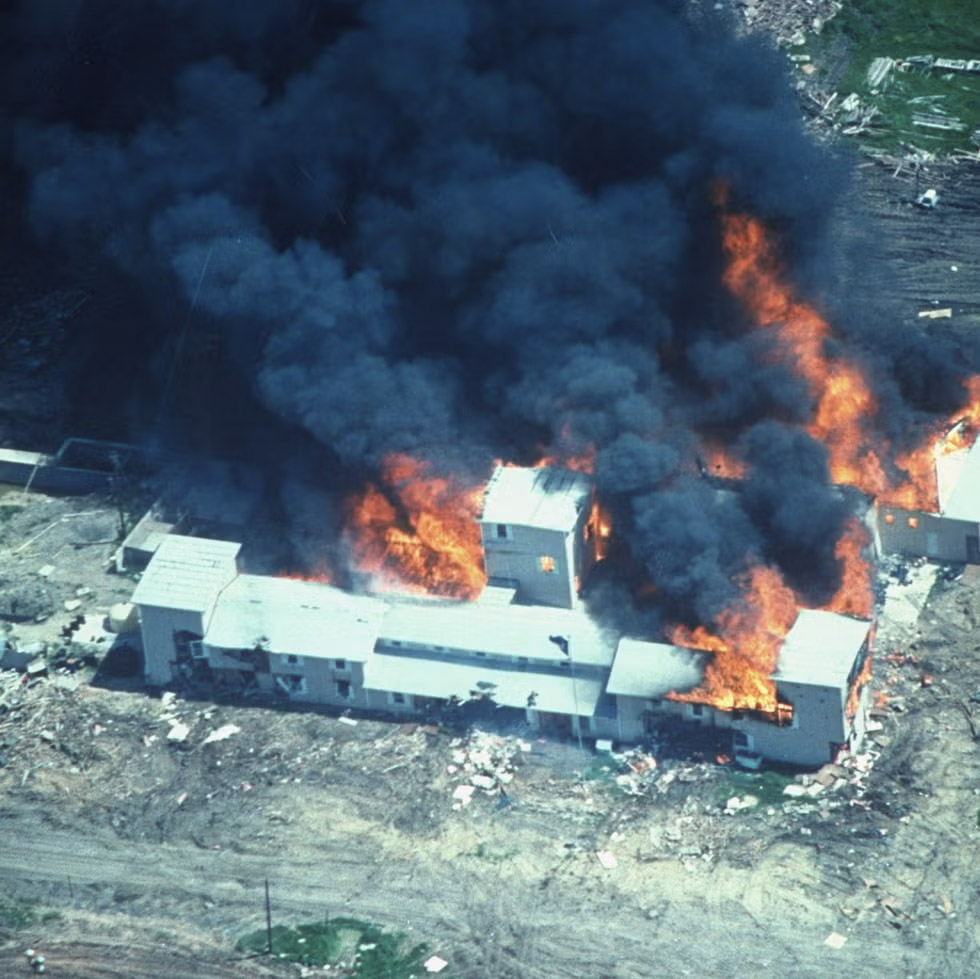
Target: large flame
{"points": [[746, 647], [854, 596], [418, 532], [844, 405]]}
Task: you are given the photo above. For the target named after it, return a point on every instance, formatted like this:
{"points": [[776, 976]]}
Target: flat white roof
{"points": [[820, 649], [508, 687], [958, 483], [509, 630], [651, 669], [550, 499], [303, 618], [187, 573]]}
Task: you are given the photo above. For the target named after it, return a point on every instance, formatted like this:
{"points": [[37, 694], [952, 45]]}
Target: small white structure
{"points": [[951, 534], [176, 597], [538, 535]]}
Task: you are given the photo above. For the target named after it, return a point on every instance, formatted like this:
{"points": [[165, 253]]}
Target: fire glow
{"points": [[418, 532], [844, 405], [745, 648]]}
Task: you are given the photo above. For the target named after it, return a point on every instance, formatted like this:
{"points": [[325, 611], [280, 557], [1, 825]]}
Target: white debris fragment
{"points": [[606, 859], [222, 733], [349, 721], [835, 940], [434, 964], [45, 571], [463, 794], [794, 789], [178, 732], [73, 603]]}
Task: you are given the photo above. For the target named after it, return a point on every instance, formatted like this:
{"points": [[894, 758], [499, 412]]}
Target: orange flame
{"points": [[600, 527], [844, 406], [738, 677], [854, 596], [418, 532], [719, 461], [854, 694]]}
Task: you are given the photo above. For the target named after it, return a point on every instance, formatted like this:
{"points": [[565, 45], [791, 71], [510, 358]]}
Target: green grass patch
{"points": [[17, 914], [767, 786], [868, 29], [367, 951], [485, 851]]}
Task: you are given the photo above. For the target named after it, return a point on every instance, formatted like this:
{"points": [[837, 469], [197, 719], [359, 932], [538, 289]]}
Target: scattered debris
{"points": [[222, 733], [434, 964]]}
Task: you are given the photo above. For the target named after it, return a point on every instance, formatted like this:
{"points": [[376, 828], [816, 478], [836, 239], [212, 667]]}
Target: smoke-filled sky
{"points": [[458, 229]]}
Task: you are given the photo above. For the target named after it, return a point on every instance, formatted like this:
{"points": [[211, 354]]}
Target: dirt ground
{"points": [[146, 854]]}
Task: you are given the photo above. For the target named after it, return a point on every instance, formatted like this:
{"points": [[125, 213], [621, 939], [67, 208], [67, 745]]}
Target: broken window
{"points": [[340, 664], [913, 522], [398, 698], [503, 531], [697, 710], [291, 684], [741, 739], [343, 689], [889, 518], [294, 660], [547, 563]]}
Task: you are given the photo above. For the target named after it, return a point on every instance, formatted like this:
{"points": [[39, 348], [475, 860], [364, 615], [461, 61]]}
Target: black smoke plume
{"points": [[456, 229]]}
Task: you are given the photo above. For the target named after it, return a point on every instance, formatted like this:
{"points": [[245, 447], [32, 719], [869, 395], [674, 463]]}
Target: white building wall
{"points": [[159, 627], [929, 535], [525, 556]]}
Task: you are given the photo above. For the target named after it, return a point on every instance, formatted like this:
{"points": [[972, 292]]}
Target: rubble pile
{"points": [[785, 20], [484, 761]]}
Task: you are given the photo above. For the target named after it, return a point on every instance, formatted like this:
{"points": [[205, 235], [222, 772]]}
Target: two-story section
{"points": [[538, 534], [176, 598], [548, 664], [822, 689], [299, 640], [823, 677]]}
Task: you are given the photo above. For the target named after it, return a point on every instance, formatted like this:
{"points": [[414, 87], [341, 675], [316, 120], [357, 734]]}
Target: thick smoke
{"points": [[457, 229]]}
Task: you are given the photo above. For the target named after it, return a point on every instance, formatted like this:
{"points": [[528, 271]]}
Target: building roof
{"points": [[186, 573], [505, 686], [303, 618], [651, 669], [508, 630], [820, 648], [958, 483], [549, 499]]}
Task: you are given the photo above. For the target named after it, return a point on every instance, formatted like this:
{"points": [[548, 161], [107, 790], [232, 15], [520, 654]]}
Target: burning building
{"points": [[950, 530], [525, 644]]}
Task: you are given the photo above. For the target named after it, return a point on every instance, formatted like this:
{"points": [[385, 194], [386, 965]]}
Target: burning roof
{"points": [[821, 648]]}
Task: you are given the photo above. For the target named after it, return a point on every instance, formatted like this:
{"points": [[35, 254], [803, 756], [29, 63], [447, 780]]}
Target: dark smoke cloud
{"points": [[453, 228]]}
